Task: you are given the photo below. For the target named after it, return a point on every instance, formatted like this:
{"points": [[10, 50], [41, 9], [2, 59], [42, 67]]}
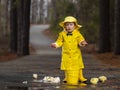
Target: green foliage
{"points": [[90, 32], [89, 18], [61, 9], [14, 4]]}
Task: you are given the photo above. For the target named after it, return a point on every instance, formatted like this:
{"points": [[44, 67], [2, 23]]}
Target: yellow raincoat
{"points": [[71, 54]]}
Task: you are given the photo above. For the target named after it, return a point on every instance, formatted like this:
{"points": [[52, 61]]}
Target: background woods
{"points": [[99, 18]]}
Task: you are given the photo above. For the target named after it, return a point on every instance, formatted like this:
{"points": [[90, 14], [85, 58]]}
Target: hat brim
{"points": [[62, 24]]}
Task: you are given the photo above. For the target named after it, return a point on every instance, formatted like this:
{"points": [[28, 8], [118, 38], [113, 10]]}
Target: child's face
{"points": [[69, 26]]}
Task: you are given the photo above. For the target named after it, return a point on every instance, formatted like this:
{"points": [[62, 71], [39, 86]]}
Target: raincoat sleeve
{"points": [[80, 38], [59, 41]]}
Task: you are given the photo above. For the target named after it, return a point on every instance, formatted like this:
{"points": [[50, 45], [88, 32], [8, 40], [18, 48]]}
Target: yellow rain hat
{"points": [[69, 19]]}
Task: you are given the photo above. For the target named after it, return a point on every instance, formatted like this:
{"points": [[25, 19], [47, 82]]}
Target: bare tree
{"points": [[20, 7], [42, 17], [26, 27], [0, 19], [13, 27], [20, 11], [23, 8], [117, 28], [4, 16], [34, 9], [104, 32]]}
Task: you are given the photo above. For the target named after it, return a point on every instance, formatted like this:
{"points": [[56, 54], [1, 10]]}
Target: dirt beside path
{"points": [[109, 58]]}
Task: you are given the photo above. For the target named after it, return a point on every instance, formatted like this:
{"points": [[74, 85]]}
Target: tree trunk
{"points": [[13, 27], [34, 11], [104, 32], [23, 27], [26, 27], [42, 11], [4, 17], [117, 28], [20, 4], [0, 20], [20, 25]]}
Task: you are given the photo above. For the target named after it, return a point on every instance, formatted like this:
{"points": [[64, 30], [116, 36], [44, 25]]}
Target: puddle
{"points": [[17, 88]]}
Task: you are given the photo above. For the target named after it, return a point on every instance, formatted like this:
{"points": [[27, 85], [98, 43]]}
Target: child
{"points": [[70, 39]]}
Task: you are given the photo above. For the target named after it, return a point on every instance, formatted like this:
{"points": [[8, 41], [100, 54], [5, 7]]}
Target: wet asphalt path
{"points": [[45, 61], [40, 42]]}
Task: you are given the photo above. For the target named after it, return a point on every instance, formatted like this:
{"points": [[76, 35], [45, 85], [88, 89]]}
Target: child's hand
{"points": [[53, 45], [83, 43]]}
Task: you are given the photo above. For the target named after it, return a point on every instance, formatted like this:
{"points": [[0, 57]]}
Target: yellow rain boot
{"points": [[72, 77], [65, 79], [81, 78]]}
